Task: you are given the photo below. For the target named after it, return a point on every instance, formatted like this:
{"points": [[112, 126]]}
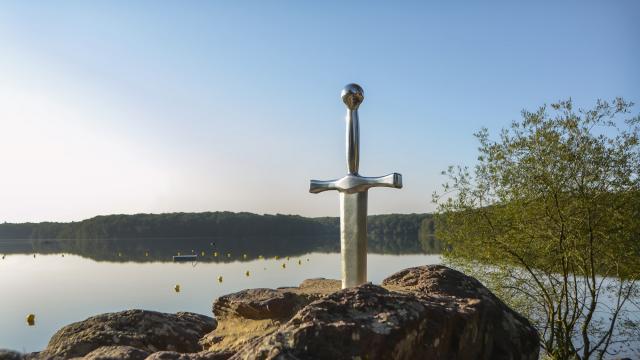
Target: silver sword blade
{"points": [[353, 238]]}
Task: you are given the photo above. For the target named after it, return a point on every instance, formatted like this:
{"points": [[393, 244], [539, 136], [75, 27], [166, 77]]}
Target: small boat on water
{"points": [[179, 258]]}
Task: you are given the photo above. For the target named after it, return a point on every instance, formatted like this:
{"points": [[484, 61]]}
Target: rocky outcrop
{"points": [[117, 353], [250, 314], [10, 355], [257, 304], [149, 331], [429, 312], [466, 319], [368, 321], [203, 355], [281, 303]]}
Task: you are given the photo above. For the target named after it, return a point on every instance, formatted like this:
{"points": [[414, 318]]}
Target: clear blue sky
{"points": [[149, 106]]}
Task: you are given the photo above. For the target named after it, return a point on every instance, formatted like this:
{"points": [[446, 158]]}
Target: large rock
{"points": [[258, 304], [249, 314], [10, 355], [429, 312], [282, 303], [368, 321], [148, 331], [466, 320], [203, 355], [117, 353]]}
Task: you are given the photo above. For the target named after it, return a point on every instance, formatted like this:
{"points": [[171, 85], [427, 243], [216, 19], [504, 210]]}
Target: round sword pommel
{"points": [[352, 96]]}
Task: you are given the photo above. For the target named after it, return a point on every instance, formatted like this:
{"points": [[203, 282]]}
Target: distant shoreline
{"points": [[208, 224], [252, 233]]}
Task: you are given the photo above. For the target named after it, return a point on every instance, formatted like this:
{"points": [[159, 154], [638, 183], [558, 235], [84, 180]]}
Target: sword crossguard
{"points": [[351, 184]]}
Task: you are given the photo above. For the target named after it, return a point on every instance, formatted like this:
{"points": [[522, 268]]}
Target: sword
{"points": [[353, 190]]}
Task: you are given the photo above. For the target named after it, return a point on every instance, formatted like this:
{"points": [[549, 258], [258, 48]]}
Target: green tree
{"points": [[549, 219]]}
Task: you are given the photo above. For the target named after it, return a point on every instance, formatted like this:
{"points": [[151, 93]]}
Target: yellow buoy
{"points": [[215, 254], [31, 319], [177, 288], [119, 254], [284, 265], [146, 253], [247, 273], [244, 256], [219, 279], [202, 253]]}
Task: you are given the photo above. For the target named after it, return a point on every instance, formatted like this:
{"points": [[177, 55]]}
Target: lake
{"points": [[68, 281]]}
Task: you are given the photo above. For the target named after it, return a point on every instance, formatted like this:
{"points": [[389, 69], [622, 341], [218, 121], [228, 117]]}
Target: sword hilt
{"points": [[355, 183], [352, 96]]}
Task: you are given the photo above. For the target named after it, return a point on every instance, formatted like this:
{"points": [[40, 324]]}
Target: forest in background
{"points": [[393, 233]]}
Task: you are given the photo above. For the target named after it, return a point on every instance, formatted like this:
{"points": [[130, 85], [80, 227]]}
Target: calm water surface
{"points": [[61, 290]]}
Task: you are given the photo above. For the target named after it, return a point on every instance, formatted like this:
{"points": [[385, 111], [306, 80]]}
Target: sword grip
{"points": [[353, 142]]}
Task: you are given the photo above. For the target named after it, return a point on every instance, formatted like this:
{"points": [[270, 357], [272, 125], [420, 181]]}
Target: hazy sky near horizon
{"points": [[127, 107]]}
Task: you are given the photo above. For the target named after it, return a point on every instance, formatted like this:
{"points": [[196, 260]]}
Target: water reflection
{"points": [[92, 278], [207, 249]]}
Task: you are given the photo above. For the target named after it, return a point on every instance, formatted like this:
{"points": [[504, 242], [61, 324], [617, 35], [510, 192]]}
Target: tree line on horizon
{"points": [[397, 233]]}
